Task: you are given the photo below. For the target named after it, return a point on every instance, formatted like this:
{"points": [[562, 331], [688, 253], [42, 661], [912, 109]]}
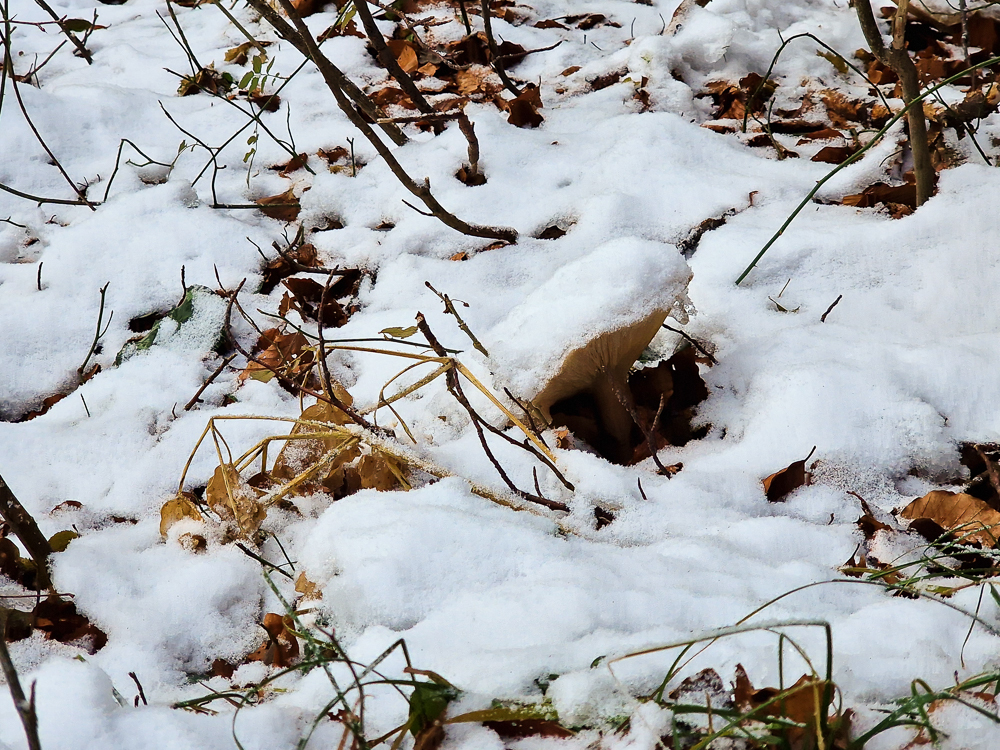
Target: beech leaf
{"points": [[965, 516]]}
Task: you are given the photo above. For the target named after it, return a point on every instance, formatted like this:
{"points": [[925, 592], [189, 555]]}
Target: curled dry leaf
{"points": [[283, 207], [307, 588], [281, 649], [232, 499], [177, 509], [966, 517], [782, 483]]}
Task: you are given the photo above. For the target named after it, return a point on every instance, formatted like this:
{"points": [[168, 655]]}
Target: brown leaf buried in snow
{"points": [[281, 649], [292, 165], [376, 471], [283, 207], [232, 499], [307, 588], [523, 109], [731, 99], [967, 518], [782, 483], [296, 456], [834, 154], [60, 621], [285, 265], [312, 303], [239, 54], [287, 354], [887, 195], [177, 509]]}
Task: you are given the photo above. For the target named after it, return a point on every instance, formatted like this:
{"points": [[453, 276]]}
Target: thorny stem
{"points": [[455, 388], [388, 59], [422, 192], [25, 707], [98, 333], [27, 531], [898, 59], [80, 46]]}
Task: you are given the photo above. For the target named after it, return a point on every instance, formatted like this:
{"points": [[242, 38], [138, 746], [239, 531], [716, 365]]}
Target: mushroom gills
{"points": [[600, 370]]}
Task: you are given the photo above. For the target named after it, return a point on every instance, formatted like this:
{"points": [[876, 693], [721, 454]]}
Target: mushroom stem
{"points": [[611, 393]]}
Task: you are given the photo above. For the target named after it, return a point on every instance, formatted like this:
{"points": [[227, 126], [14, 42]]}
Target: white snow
{"points": [[495, 601]]}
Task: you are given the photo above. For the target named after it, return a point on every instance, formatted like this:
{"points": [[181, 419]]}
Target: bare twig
{"points": [[27, 531], [898, 59], [211, 378], [80, 46], [38, 277], [465, 16], [388, 59], [98, 332], [138, 685], [693, 343], [496, 61], [455, 388], [830, 308], [9, 66], [449, 307], [25, 707], [423, 192], [333, 76], [626, 400], [469, 131]]}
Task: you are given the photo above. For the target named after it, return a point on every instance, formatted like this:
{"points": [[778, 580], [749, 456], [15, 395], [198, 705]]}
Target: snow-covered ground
{"points": [[494, 600]]}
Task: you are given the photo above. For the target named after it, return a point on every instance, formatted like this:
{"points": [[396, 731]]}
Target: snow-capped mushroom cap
{"points": [[601, 310], [609, 355]]}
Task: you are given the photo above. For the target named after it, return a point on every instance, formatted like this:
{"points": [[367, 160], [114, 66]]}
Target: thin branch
{"points": [[496, 61], [211, 378], [898, 59], [25, 707], [385, 56], [455, 388], [420, 191], [333, 76], [449, 307], [469, 131], [98, 333], [693, 343], [26, 530], [80, 46], [9, 66]]}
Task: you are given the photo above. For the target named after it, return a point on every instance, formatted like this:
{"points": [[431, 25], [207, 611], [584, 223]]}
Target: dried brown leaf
{"points": [[965, 516]]}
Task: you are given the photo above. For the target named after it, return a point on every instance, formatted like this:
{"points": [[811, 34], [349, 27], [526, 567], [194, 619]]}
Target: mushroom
{"points": [[581, 330], [601, 368]]}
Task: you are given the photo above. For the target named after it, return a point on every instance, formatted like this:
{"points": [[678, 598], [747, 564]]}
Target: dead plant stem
{"points": [[26, 530], [80, 46], [25, 707], [496, 61], [423, 192], [388, 59], [897, 58]]}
